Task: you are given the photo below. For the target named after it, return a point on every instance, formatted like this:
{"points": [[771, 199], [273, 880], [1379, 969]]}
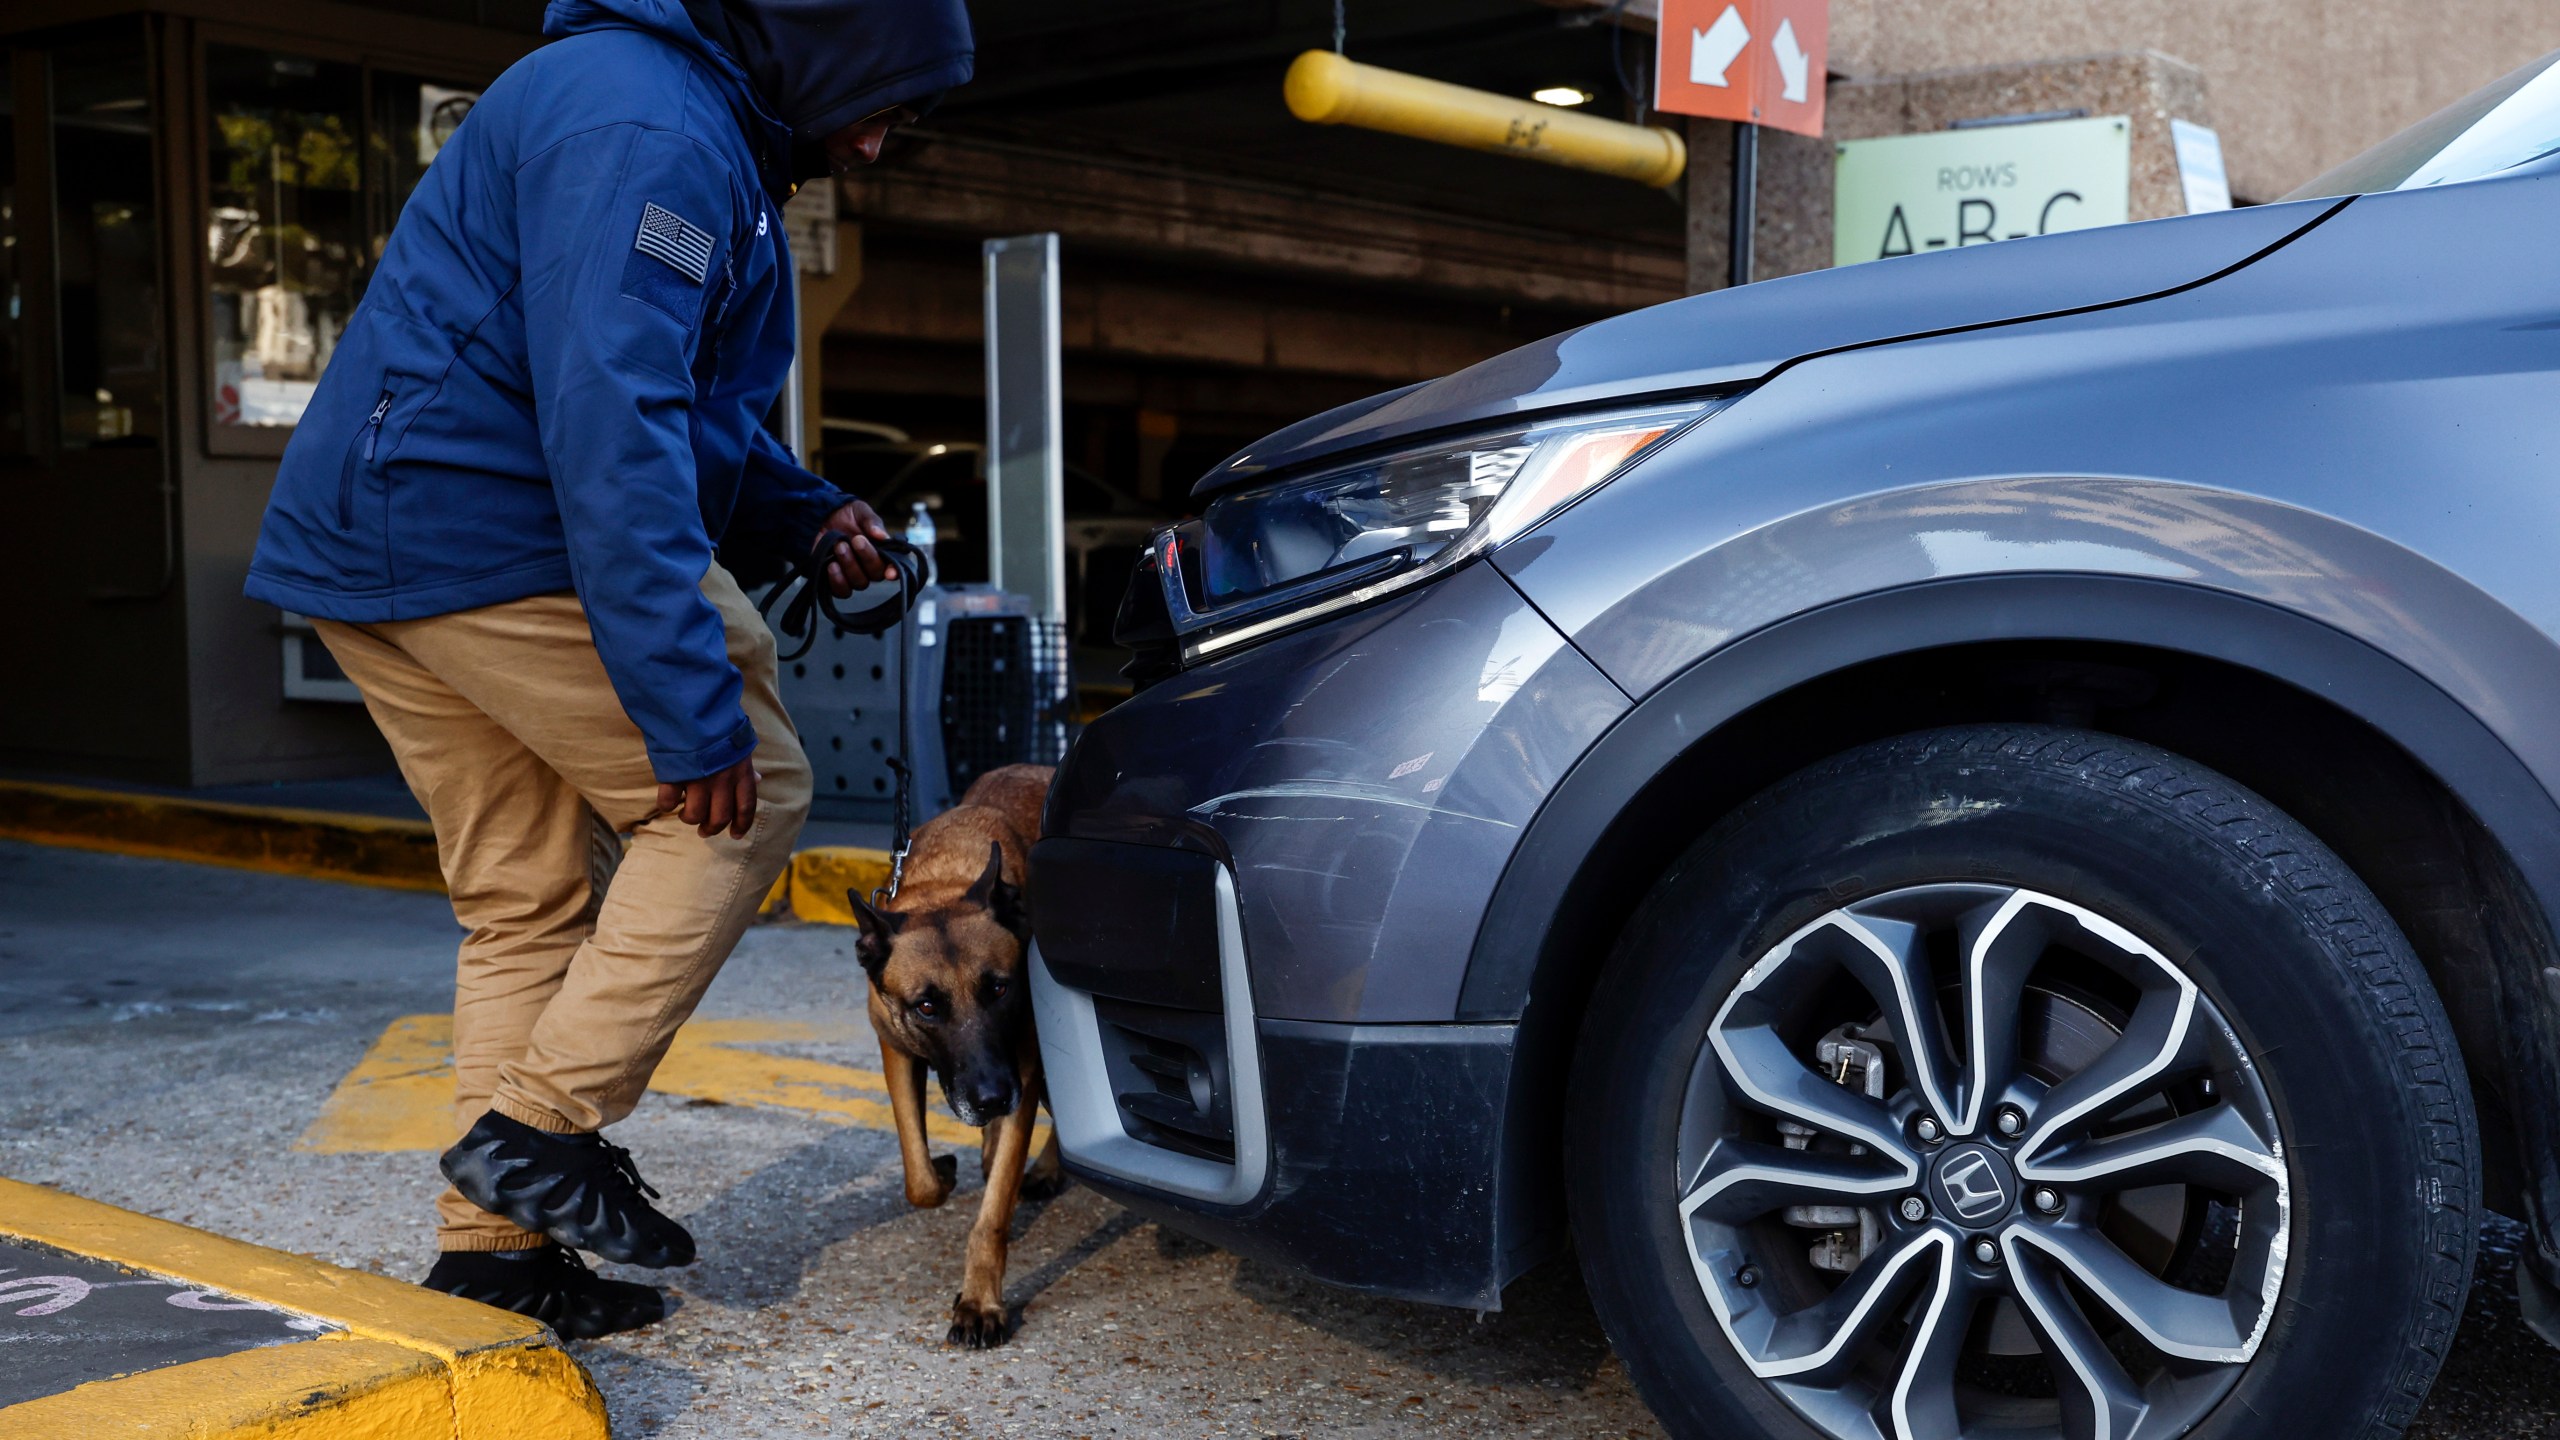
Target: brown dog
{"points": [[945, 956]]}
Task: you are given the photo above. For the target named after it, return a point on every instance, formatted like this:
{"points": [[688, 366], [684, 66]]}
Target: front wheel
{"points": [[2026, 1083]]}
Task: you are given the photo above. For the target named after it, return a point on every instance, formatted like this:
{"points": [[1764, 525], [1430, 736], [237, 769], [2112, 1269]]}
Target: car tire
{"points": [[2315, 1266]]}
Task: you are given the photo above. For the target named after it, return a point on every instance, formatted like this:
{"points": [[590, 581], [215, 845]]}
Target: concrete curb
{"points": [[355, 849], [362, 849], [405, 1364], [820, 876]]}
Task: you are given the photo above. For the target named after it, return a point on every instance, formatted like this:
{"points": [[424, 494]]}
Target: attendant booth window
{"points": [[308, 160]]}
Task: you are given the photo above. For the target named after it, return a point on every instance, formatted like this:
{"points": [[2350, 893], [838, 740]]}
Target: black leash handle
{"points": [[798, 621]]}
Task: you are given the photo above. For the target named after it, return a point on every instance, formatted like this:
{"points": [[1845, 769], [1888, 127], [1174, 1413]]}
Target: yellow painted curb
{"points": [[321, 1389], [821, 874], [364, 849], [411, 1363], [359, 849]]}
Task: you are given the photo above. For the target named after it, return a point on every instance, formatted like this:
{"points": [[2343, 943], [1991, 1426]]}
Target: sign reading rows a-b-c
{"points": [[1753, 60], [1946, 189]]}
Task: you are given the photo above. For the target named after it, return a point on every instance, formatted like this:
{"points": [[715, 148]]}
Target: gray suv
{"points": [[1977, 831]]}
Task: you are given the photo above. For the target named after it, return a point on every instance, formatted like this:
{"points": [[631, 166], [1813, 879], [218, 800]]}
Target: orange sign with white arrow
{"points": [[1758, 61]]}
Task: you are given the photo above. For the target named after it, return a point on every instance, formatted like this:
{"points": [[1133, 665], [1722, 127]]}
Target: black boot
{"points": [[551, 1285], [578, 1189]]}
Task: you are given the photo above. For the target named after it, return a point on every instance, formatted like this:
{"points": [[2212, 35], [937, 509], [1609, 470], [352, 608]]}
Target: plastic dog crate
{"points": [[990, 687]]}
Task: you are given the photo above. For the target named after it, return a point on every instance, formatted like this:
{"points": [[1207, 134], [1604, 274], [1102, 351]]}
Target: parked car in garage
{"points": [[1979, 831]]}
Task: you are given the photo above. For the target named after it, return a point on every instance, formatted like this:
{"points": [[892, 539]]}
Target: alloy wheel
{"points": [[1963, 1159]]}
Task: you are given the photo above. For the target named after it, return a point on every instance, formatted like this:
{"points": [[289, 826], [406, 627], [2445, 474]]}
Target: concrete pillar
{"points": [[1791, 220]]}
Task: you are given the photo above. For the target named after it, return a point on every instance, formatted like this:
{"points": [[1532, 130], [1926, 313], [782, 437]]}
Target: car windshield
{"points": [[2509, 123]]}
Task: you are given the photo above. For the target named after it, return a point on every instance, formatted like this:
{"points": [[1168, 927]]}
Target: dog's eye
{"points": [[928, 1010], [996, 989]]}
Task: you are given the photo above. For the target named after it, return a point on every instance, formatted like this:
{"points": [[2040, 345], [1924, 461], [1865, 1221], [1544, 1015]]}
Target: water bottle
{"points": [[920, 530]]}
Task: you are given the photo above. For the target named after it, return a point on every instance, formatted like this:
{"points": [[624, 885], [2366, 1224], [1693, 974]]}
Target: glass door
{"points": [[108, 398], [14, 437]]}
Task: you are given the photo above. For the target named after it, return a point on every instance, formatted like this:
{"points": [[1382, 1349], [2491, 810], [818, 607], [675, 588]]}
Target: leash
{"points": [[809, 599], [899, 839]]}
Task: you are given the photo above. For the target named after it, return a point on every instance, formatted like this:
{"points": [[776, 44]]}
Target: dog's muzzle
{"points": [[981, 1100]]}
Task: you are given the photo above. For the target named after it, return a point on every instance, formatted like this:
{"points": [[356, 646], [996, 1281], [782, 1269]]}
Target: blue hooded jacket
{"points": [[557, 374]]}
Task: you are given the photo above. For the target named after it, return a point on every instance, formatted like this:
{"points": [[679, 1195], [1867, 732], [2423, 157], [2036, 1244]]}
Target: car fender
{"points": [[2330, 467], [1521, 933], [1535, 955]]}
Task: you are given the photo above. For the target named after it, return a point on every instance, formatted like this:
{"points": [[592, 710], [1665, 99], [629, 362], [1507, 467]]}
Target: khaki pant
{"points": [[508, 730]]}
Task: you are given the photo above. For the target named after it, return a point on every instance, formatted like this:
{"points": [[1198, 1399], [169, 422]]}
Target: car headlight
{"points": [[1282, 554]]}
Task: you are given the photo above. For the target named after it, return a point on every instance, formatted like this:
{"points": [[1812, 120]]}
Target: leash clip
{"points": [[905, 840], [882, 895]]}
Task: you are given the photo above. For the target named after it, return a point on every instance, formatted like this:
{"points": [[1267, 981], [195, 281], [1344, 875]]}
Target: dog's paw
{"points": [[925, 1195], [1036, 1186], [979, 1327]]}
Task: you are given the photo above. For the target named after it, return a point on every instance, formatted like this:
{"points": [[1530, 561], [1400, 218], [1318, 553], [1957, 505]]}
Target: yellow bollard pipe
{"points": [[1325, 89]]}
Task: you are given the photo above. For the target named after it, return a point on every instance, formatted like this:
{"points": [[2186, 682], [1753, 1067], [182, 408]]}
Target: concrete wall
{"points": [[2293, 87], [2299, 85], [1792, 233]]}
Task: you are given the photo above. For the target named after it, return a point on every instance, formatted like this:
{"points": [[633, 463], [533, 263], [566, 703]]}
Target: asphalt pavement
{"points": [[171, 1033]]}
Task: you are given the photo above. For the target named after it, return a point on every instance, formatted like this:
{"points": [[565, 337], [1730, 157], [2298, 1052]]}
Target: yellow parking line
{"points": [[399, 1097], [709, 1061]]}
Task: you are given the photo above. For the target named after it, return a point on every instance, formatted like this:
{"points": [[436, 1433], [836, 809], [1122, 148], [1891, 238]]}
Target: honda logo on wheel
{"points": [[1974, 1184]]}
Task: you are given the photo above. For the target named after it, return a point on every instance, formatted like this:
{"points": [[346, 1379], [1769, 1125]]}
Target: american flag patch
{"points": [[668, 236]]}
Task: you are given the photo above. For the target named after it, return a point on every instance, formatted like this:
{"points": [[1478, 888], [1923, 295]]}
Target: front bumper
{"points": [[1259, 888], [1364, 1155]]}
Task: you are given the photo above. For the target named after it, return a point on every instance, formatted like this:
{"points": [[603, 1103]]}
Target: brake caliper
{"points": [[1849, 1233]]}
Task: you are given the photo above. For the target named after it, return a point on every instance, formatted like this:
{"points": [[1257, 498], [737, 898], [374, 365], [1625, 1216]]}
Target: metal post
{"points": [[1026, 457], [795, 423], [1746, 161]]}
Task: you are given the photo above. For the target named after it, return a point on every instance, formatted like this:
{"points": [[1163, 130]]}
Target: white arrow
{"points": [[1712, 49], [1793, 66]]}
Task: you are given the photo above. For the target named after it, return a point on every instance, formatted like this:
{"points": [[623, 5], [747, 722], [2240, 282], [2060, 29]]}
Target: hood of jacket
{"points": [[670, 21], [809, 67]]}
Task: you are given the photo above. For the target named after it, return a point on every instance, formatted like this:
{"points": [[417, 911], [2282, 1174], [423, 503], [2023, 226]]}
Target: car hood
{"points": [[1736, 336]]}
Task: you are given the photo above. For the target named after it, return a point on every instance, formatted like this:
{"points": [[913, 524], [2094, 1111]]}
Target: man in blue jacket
{"points": [[510, 511]]}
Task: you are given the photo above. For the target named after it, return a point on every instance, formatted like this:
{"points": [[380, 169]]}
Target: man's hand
{"points": [[853, 564], [725, 800]]}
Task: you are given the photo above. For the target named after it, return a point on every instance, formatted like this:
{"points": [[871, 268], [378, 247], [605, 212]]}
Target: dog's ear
{"points": [[982, 890], [871, 947], [1002, 900], [1006, 905]]}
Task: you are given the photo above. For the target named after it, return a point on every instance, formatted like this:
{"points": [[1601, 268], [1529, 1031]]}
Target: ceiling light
{"points": [[1565, 95]]}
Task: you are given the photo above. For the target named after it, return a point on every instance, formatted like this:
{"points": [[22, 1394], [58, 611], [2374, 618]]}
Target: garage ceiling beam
{"points": [[981, 187], [1643, 15], [914, 299]]}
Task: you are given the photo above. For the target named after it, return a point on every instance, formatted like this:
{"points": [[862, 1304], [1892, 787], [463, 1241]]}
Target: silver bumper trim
{"points": [[1088, 1118]]}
